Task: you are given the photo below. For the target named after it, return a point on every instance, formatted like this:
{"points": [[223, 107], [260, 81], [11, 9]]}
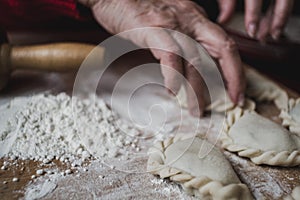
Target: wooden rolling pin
{"points": [[55, 57]]}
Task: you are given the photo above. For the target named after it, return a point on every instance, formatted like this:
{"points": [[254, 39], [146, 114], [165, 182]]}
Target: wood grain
{"points": [[263, 181]]}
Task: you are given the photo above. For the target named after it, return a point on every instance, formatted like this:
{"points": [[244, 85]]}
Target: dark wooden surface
{"points": [[249, 173]]}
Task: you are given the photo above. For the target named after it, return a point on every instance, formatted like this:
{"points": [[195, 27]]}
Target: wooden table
{"points": [[271, 182]]}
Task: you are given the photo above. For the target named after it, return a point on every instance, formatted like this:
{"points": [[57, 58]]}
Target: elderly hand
{"points": [[257, 26], [184, 16]]}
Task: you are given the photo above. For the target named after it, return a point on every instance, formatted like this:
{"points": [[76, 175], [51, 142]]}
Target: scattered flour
{"points": [[40, 190], [46, 127], [15, 179], [100, 182]]}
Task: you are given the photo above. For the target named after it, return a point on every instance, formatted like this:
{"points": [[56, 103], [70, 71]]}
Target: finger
{"points": [[264, 25], [166, 49], [226, 8], [252, 16], [195, 90], [225, 51], [282, 10], [194, 83]]}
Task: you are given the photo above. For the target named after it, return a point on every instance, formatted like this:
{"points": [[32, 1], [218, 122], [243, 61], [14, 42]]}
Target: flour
{"points": [[262, 183], [46, 127], [42, 189], [100, 182]]}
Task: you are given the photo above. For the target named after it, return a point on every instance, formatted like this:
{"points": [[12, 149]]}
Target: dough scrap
{"points": [[260, 139], [220, 105], [262, 89], [206, 174], [291, 117], [295, 195]]}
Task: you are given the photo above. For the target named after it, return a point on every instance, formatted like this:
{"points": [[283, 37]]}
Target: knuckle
{"points": [[168, 8], [281, 17], [191, 7], [280, 14], [164, 16], [229, 44], [188, 5], [166, 11], [199, 19]]}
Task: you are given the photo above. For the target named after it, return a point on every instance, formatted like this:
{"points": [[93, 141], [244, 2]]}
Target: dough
{"points": [[262, 89], [295, 195], [258, 88], [221, 105], [291, 117], [260, 139], [206, 174]]}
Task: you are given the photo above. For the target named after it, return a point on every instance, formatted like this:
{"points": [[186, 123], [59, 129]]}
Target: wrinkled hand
{"points": [[258, 26], [186, 17]]}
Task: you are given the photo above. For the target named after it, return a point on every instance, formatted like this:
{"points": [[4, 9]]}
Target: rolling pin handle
{"points": [[5, 70], [56, 57]]}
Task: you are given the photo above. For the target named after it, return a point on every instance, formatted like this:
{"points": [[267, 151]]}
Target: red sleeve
{"points": [[14, 12]]}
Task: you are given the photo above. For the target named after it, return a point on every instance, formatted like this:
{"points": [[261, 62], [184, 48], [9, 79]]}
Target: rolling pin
{"points": [[54, 57]]}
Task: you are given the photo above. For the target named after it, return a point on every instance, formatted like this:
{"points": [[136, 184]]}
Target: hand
{"points": [[186, 17], [257, 26]]}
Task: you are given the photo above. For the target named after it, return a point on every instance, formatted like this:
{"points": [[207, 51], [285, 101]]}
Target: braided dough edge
{"points": [[220, 105], [287, 119], [198, 186], [295, 195], [257, 156], [269, 92]]}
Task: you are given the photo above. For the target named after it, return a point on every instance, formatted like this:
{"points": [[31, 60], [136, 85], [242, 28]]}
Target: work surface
{"points": [[101, 181]]}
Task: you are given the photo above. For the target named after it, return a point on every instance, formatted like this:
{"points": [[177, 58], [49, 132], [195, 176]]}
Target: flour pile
{"points": [[60, 127]]}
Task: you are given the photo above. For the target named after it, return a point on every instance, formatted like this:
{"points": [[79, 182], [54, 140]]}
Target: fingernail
{"points": [[241, 100], [252, 30], [276, 34]]}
